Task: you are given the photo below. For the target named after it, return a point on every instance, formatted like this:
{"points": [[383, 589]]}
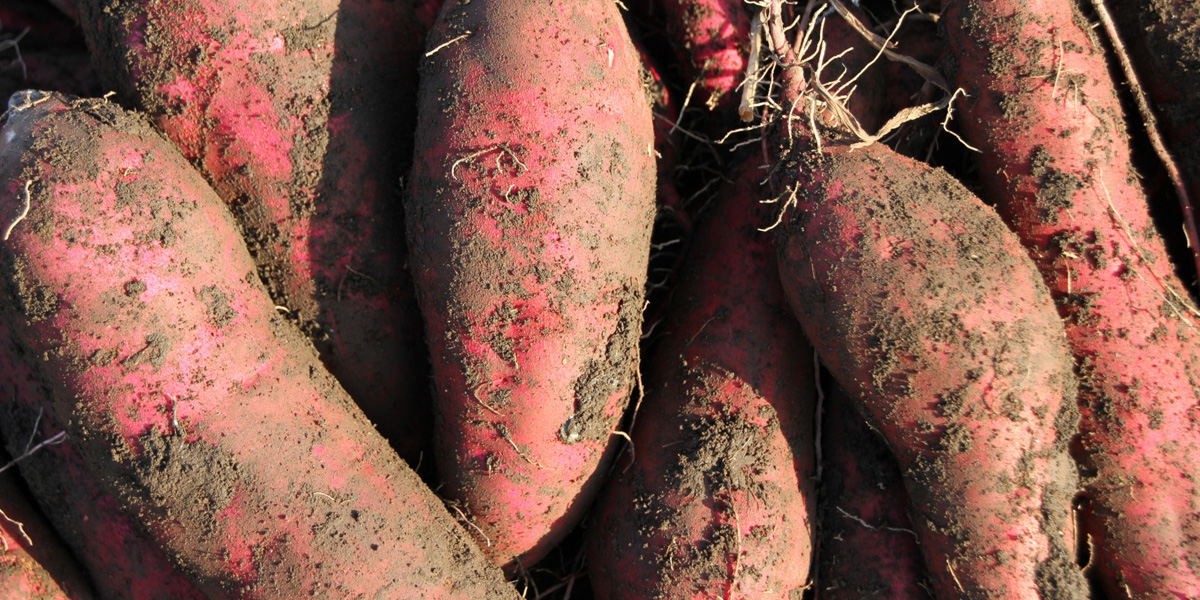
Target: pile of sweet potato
{"points": [[591, 299]]}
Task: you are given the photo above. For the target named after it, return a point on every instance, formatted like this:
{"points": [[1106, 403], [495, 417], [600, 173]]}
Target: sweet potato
{"points": [[123, 564], [717, 498], [868, 547], [929, 312], [203, 411], [710, 38], [530, 212], [1056, 161], [33, 564], [300, 114]]}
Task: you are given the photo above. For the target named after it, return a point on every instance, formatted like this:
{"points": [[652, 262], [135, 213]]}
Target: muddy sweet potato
{"points": [[1056, 160], [204, 412], [717, 498], [711, 39], [300, 114], [530, 213], [929, 313]]}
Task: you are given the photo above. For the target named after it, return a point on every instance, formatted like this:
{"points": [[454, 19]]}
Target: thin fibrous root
{"points": [[20, 217], [790, 203], [447, 43], [474, 155], [929, 73], [54, 440], [14, 44]]}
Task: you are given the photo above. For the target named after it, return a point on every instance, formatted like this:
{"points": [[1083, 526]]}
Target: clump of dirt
{"points": [[603, 377]]}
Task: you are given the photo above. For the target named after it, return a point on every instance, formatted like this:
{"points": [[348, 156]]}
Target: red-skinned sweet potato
{"points": [[710, 38], [930, 314], [191, 399], [300, 114], [33, 564], [928, 311], [530, 212], [717, 498], [1056, 161]]}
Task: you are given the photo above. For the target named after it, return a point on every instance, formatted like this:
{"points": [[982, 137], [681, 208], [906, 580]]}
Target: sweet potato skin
{"points": [[926, 309], [300, 114], [1056, 162], [178, 373], [121, 562], [33, 564], [710, 38], [717, 498], [530, 212]]}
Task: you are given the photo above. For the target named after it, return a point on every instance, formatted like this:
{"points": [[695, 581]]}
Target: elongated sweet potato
{"points": [[719, 498], [929, 312], [192, 400], [529, 223], [33, 564], [1056, 161], [868, 547], [300, 114]]}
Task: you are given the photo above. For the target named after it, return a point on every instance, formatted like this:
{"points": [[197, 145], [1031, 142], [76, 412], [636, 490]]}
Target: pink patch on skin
{"points": [[239, 545], [182, 90]]}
